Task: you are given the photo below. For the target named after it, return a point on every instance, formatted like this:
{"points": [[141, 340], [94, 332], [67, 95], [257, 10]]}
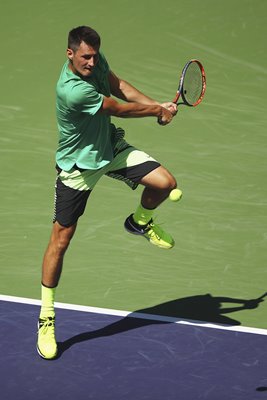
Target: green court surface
{"points": [[216, 151]]}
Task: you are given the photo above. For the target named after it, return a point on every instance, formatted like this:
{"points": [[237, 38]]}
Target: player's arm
{"points": [[137, 105], [125, 91], [136, 110]]}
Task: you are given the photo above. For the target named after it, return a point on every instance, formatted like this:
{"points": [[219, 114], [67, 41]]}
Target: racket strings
{"points": [[192, 84]]}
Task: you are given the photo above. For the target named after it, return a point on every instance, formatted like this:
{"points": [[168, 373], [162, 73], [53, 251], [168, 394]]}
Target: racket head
{"points": [[192, 84]]}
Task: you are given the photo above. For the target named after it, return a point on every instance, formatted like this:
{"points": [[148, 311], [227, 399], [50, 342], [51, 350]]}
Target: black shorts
{"points": [[73, 188]]}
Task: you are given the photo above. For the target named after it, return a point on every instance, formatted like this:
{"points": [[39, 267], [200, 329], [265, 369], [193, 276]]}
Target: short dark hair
{"points": [[83, 34]]}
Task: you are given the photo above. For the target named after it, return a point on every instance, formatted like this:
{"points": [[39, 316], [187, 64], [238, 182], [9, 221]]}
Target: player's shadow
{"points": [[201, 308]]}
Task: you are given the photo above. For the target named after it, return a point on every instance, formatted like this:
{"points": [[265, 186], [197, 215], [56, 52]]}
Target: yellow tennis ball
{"points": [[175, 195]]}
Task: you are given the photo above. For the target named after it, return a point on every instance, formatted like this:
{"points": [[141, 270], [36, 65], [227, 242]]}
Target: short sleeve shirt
{"points": [[84, 131]]}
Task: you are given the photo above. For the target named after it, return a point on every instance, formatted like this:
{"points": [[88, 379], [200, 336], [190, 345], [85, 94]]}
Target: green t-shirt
{"points": [[84, 131]]}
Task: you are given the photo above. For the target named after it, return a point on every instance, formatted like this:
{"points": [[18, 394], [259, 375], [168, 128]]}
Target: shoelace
{"points": [[46, 323], [151, 230]]}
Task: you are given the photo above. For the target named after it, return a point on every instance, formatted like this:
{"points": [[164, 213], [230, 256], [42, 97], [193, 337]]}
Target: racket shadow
{"points": [[201, 308]]}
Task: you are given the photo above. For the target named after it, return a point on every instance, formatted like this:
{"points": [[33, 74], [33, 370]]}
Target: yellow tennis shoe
{"points": [[46, 343], [152, 232]]}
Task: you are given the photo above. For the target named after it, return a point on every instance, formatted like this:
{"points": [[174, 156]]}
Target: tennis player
{"points": [[89, 147]]}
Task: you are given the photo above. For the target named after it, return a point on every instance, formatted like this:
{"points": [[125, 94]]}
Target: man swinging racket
{"points": [[89, 147]]}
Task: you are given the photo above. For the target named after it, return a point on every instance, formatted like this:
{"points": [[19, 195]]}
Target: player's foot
{"points": [[46, 344], [152, 232]]}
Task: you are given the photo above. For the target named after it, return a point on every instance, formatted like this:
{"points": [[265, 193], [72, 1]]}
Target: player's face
{"points": [[83, 60]]}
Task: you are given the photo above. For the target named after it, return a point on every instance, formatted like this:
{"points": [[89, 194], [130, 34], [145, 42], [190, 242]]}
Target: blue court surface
{"points": [[129, 356]]}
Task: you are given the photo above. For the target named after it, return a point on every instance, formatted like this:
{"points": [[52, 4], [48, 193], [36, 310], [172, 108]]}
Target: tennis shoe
{"points": [[46, 344], [151, 231]]}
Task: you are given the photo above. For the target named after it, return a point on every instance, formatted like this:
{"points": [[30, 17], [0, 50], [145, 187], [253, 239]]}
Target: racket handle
{"points": [[176, 98]]}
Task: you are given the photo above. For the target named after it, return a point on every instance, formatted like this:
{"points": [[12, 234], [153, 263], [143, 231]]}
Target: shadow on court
{"points": [[202, 308], [140, 357]]}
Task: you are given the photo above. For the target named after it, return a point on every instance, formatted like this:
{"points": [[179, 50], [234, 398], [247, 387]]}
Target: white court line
{"points": [[119, 313]]}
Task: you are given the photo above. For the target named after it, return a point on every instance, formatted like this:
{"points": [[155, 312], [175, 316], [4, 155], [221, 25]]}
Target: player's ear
{"points": [[70, 54]]}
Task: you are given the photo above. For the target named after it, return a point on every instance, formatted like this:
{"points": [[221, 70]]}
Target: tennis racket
{"points": [[262, 297], [250, 304], [192, 84]]}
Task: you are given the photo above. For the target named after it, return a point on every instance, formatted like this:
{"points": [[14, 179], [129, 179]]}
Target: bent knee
{"points": [[160, 179], [172, 183], [167, 181]]}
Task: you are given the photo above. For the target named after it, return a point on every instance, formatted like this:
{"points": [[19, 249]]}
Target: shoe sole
{"points": [[43, 357], [160, 246]]}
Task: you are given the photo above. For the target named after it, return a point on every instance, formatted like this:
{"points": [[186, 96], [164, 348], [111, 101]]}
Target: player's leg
{"points": [[54, 254], [135, 167], [69, 206], [158, 185], [51, 271]]}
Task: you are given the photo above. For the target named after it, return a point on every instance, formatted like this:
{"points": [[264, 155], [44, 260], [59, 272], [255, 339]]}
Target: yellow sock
{"points": [[48, 298], [142, 215]]}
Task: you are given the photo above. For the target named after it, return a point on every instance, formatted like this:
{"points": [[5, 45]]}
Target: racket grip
{"points": [[176, 98]]}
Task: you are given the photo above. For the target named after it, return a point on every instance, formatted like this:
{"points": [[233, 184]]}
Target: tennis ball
{"points": [[175, 195]]}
